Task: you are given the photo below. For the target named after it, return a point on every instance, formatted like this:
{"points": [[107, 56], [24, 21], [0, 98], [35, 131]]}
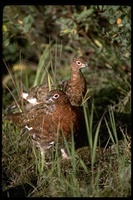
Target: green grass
{"points": [[92, 170], [106, 174]]}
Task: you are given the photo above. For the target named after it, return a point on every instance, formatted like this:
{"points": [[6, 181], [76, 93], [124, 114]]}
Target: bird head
{"points": [[57, 97], [79, 63]]}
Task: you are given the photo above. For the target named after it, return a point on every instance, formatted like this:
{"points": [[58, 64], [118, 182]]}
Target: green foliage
{"points": [[103, 29], [79, 176], [38, 44], [103, 33]]}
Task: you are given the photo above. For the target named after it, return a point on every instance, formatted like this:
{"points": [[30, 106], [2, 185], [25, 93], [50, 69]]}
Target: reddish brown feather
{"points": [[54, 115]]}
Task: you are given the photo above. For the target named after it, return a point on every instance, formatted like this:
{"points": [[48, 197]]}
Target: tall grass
{"points": [[92, 136], [111, 126], [90, 172], [41, 73]]}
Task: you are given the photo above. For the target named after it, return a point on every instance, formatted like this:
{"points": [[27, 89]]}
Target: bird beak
{"points": [[49, 99], [84, 65]]}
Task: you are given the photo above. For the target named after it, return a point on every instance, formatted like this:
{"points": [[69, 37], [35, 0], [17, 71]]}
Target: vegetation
{"points": [[38, 44]]}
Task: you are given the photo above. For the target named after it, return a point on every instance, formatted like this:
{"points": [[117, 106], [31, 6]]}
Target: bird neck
{"points": [[76, 75]]}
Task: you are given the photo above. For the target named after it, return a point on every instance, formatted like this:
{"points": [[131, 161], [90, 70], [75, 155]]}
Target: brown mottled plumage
{"points": [[75, 87], [50, 120]]}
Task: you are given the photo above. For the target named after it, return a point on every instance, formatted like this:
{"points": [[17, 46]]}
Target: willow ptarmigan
{"points": [[75, 87], [51, 120]]}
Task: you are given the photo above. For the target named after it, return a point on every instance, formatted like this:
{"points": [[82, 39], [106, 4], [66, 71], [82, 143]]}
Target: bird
{"points": [[75, 87], [50, 121]]}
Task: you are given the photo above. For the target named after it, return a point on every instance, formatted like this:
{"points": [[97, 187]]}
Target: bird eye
{"points": [[78, 62], [56, 96]]}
